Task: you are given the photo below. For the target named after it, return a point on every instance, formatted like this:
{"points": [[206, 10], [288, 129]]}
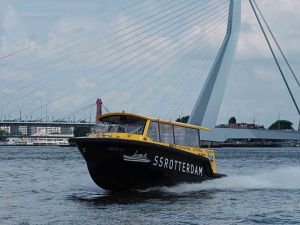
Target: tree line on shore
{"points": [[277, 125]]}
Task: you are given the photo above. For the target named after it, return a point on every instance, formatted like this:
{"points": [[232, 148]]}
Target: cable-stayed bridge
{"points": [[154, 60]]}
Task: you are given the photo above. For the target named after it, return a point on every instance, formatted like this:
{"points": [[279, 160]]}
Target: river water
{"points": [[51, 185]]}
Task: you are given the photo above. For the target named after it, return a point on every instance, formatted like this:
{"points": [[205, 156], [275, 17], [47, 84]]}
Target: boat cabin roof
{"points": [[154, 119]]}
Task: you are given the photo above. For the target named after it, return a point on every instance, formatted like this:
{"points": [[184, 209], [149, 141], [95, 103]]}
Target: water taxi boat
{"points": [[127, 151]]}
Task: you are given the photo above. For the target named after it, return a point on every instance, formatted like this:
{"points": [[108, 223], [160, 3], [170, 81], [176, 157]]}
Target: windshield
{"points": [[120, 124]]}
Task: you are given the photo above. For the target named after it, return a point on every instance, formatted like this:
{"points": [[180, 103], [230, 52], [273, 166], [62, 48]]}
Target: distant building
{"points": [[233, 124], [245, 126], [45, 130]]}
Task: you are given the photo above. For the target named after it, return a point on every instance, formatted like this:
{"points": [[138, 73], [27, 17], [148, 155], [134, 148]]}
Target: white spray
{"points": [[283, 178]]}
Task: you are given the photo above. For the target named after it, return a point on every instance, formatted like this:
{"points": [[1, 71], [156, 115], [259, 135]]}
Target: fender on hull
{"points": [[116, 164]]}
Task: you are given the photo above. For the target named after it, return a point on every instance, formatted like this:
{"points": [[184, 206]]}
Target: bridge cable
{"points": [[276, 42], [89, 23], [182, 84], [84, 39], [275, 58], [140, 78], [104, 36], [111, 47], [161, 71], [183, 80], [112, 61], [164, 57]]}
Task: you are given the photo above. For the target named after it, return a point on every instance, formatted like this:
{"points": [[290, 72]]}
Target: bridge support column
{"points": [[206, 110]]}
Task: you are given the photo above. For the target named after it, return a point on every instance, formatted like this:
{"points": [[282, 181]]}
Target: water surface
{"points": [[51, 185]]}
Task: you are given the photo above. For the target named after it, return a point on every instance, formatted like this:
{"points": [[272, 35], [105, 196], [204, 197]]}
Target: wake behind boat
{"points": [[127, 151]]}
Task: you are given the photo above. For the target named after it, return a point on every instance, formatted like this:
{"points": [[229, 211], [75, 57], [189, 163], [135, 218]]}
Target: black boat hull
{"points": [[117, 164]]}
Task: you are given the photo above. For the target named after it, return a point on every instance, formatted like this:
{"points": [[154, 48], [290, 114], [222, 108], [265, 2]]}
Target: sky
{"points": [[48, 76]]}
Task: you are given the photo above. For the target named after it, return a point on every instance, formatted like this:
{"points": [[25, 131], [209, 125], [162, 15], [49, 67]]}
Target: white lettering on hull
{"points": [[176, 165]]}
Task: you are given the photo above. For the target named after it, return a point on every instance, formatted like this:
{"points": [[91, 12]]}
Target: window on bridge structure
{"points": [[23, 130], [153, 132], [166, 133]]}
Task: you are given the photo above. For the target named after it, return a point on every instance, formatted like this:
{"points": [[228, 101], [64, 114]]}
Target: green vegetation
{"points": [[232, 120], [81, 131], [183, 119], [3, 133], [282, 125]]}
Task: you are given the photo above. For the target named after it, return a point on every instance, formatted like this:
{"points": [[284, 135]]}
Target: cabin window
{"points": [[179, 135], [120, 124], [186, 136], [166, 133], [192, 138], [199, 137], [153, 131]]}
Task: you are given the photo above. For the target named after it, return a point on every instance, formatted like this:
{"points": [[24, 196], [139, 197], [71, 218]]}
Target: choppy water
{"points": [[46, 185]]}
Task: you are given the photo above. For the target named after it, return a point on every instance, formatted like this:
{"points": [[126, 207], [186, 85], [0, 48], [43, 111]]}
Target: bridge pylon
{"points": [[207, 107]]}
